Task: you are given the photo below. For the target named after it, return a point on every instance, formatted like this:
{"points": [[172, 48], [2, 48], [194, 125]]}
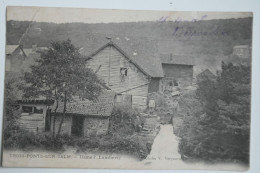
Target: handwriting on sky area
{"points": [[179, 19], [181, 31]]}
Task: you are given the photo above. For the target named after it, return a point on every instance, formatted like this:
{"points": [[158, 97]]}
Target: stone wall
{"points": [[66, 126]]}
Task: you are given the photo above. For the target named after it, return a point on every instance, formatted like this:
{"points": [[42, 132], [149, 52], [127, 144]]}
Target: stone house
{"points": [[84, 117]]}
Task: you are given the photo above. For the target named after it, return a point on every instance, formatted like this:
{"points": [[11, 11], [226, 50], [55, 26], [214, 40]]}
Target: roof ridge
{"points": [[111, 43]]}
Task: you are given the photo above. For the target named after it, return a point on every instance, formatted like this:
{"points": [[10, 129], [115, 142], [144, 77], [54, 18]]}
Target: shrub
{"points": [[20, 140], [125, 145], [122, 119]]}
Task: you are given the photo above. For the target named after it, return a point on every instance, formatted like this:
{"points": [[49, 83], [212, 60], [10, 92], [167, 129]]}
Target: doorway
{"points": [[77, 126]]}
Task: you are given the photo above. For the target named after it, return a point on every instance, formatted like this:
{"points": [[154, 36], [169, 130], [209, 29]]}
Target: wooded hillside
{"points": [[208, 41]]}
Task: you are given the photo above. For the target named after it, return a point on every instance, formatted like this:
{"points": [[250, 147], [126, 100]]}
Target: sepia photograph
{"points": [[127, 89]]}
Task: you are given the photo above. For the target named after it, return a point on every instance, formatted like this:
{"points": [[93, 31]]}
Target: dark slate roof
{"points": [[102, 107], [141, 51], [177, 59]]}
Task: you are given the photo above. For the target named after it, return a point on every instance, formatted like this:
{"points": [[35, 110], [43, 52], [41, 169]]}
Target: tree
{"points": [[221, 130], [13, 92], [61, 74]]}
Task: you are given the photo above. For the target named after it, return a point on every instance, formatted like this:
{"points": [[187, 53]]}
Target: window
{"points": [[38, 110], [123, 74], [123, 71], [27, 109]]}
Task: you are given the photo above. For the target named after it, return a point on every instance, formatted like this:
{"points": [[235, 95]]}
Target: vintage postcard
{"points": [[125, 89]]}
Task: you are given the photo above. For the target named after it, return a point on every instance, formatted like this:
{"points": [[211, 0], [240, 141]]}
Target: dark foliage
{"points": [[122, 120], [218, 128], [61, 74], [205, 49]]}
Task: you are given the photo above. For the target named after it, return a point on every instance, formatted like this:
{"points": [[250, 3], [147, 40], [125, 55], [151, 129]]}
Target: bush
{"points": [[120, 138], [122, 119], [217, 122], [125, 145], [24, 140], [19, 139]]}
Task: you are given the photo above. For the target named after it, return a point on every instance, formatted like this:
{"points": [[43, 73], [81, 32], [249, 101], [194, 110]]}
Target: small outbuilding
{"points": [[177, 69], [84, 117], [35, 115]]}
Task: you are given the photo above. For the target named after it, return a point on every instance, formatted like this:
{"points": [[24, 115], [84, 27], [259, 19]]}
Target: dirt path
{"points": [[165, 143], [164, 149]]}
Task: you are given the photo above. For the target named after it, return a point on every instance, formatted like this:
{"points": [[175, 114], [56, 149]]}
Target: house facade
{"points": [[177, 69], [123, 74], [35, 115], [242, 51], [84, 117], [14, 54], [19, 59]]}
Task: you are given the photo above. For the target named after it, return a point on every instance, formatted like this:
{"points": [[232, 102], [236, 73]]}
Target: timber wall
{"points": [[108, 63]]}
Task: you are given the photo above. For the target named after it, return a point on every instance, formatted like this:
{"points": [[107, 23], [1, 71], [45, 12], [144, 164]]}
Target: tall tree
{"points": [[60, 74], [220, 131]]}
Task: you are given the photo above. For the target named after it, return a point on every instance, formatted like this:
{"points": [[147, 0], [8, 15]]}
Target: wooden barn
{"points": [[131, 77], [177, 69]]}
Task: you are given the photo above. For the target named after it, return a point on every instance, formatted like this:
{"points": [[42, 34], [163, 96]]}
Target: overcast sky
{"points": [[67, 15]]}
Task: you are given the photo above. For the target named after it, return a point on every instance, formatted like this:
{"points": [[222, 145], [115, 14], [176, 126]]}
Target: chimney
{"points": [[109, 39]]}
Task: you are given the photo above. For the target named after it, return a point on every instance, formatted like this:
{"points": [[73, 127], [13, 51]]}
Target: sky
{"points": [[70, 15]]}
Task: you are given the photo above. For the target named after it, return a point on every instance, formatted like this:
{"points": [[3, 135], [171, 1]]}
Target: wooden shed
{"points": [[34, 115], [126, 75], [177, 69]]}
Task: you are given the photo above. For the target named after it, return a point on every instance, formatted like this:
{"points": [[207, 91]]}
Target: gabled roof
{"points": [[206, 74], [9, 49], [102, 107], [122, 52], [140, 51], [177, 59]]}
